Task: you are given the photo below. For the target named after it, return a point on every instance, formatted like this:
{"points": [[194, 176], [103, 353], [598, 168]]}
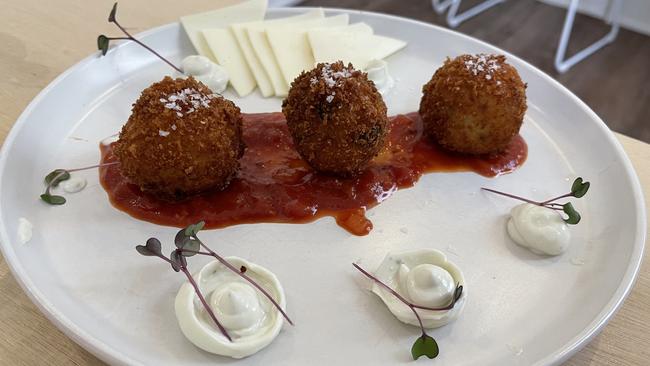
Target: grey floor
{"points": [[615, 82]]}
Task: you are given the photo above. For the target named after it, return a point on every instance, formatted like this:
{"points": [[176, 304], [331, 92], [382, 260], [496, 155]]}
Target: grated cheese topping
{"points": [[331, 78], [186, 101], [483, 64]]}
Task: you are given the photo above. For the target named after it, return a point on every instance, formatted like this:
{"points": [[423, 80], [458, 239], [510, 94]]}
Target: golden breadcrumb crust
{"points": [[336, 117], [175, 153], [471, 109]]}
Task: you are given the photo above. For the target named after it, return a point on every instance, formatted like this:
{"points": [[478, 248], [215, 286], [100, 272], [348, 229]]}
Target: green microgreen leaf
{"points": [[151, 248], [579, 188], [187, 244], [57, 176], [144, 251], [191, 248], [52, 199], [425, 346], [154, 246], [181, 238], [194, 229], [573, 215], [102, 44], [111, 16], [102, 41], [177, 260]]}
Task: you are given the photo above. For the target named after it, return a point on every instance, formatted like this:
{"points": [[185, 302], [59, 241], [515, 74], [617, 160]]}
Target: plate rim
{"points": [[112, 355]]}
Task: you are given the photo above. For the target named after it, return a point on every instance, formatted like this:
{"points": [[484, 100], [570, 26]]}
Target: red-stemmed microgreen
{"points": [[578, 189], [104, 41], [188, 244], [424, 345], [153, 248], [53, 178], [188, 239]]}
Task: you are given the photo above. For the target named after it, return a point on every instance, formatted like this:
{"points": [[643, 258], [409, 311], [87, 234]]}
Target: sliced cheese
{"points": [[224, 47], [244, 42], [361, 28], [292, 49], [359, 49], [247, 11], [257, 35]]}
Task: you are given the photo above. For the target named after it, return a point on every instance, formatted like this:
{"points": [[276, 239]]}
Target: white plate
{"points": [[81, 268]]}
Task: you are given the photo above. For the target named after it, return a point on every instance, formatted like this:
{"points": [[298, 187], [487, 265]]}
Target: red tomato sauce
{"points": [[275, 185]]}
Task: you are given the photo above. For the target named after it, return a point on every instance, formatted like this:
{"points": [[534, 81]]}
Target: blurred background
{"points": [[614, 81]]}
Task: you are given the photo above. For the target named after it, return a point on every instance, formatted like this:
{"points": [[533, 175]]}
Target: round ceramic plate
{"points": [[81, 268]]}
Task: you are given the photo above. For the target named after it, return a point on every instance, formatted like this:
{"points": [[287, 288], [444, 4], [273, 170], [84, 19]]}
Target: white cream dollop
{"points": [[213, 75], [74, 184], [24, 230], [249, 317], [424, 277], [540, 229], [427, 284], [237, 306], [377, 71]]}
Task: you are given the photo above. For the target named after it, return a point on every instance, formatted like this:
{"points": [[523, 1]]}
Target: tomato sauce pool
{"points": [[275, 185]]}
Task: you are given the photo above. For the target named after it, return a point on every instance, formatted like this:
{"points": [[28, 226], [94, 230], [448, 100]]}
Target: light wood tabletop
{"points": [[40, 39]]}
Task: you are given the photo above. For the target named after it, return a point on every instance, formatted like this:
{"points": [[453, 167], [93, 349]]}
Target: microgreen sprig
{"points": [[578, 189], [424, 345], [53, 178], [104, 41], [188, 244]]}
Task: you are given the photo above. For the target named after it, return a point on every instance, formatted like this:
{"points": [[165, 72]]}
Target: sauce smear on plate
{"points": [[275, 185]]}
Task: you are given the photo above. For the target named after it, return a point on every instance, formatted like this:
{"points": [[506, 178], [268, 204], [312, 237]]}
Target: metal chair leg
{"points": [[453, 18], [439, 6], [613, 13]]}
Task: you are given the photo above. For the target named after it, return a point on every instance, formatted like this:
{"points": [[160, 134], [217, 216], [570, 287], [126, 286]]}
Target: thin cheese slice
{"points": [[257, 35], [224, 47], [241, 34], [361, 28], [359, 49], [292, 49], [247, 11]]}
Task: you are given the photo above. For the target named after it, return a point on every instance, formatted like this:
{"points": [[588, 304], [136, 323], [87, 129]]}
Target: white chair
{"points": [[453, 18], [612, 14], [612, 17]]}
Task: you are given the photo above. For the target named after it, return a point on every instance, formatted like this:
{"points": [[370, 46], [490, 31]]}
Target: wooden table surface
{"points": [[40, 39]]}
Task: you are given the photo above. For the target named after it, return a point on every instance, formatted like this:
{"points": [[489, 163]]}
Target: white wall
{"points": [[635, 14]]}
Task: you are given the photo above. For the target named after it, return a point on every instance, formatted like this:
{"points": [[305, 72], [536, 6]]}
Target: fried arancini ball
{"points": [[474, 104], [180, 140], [336, 118]]}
